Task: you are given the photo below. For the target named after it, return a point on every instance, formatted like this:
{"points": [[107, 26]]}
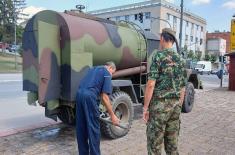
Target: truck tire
{"points": [[67, 115], [189, 98], [123, 108]]}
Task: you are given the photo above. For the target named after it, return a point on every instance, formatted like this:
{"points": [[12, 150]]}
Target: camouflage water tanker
{"points": [[60, 47]]}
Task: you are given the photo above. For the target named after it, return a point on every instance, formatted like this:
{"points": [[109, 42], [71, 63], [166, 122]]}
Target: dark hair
{"points": [[168, 37]]}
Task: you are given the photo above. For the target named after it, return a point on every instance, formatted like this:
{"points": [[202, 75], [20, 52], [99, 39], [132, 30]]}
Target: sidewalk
{"points": [[208, 130]]}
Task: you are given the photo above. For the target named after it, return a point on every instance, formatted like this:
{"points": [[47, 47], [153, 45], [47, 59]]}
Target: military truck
{"points": [[59, 48]]}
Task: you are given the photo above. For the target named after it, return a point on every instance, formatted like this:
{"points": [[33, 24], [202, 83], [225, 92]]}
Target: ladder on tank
{"points": [[143, 62], [143, 58]]}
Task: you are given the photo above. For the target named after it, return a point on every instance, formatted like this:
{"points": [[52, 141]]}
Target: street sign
{"points": [[232, 44]]}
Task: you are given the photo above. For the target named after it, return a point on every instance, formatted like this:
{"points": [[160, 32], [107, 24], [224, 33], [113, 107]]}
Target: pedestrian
{"points": [[164, 96], [96, 84]]}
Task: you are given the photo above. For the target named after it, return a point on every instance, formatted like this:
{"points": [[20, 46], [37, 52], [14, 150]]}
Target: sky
{"points": [[218, 13]]}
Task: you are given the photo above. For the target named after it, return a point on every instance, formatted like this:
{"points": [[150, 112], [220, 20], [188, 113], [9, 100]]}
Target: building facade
{"points": [[223, 35], [154, 15], [216, 46]]}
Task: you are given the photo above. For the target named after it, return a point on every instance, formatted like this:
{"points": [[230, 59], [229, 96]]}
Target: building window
{"points": [[186, 37], [127, 17], [174, 23], [147, 15], [117, 18], [192, 29], [201, 28], [197, 27], [168, 16], [175, 19], [187, 23], [201, 41], [191, 38], [196, 40], [147, 29], [136, 16]]}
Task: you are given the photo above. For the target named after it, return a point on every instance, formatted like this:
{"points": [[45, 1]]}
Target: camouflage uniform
{"points": [[168, 70]]}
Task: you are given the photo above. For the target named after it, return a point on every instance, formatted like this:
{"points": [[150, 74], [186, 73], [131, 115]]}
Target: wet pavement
{"points": [[208, 130]]}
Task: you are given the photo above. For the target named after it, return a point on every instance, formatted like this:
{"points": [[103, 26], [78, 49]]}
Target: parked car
{"points": [[203, 67], [13, 48]]}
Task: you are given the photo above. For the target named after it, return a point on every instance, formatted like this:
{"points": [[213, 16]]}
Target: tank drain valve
{"points": [[121, 125]]}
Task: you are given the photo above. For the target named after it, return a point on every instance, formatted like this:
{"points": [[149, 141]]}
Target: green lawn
{"points": [[7, 63]]}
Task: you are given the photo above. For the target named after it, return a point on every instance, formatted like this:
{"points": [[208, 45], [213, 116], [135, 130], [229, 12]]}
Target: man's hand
{"points": [[182, 95], [108, 106], [147, 98], [145, 116], [115, 119]]}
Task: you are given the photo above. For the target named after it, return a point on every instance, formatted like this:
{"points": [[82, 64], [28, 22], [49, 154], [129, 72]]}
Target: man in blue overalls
{"points": [[95, 84]]}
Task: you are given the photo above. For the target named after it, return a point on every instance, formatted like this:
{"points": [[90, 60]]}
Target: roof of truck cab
{"points": [[151, 36]]}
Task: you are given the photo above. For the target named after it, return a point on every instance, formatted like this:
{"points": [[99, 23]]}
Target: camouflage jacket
{"points": [[167, 68]]}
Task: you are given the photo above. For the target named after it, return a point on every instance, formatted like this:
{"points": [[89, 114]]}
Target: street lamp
{"points": [[158, 18]]}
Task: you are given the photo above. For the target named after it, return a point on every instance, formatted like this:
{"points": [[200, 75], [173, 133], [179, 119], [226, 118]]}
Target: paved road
{"points": [[208, 130], [212, 81], [15, 114]]}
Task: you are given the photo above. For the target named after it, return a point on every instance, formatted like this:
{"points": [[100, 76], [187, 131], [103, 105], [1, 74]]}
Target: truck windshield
{"points": [[199, 66]]}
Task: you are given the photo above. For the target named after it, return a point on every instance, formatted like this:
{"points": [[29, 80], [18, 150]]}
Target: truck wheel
{"points": [[189, 98], [122, 107], [67, 115]]}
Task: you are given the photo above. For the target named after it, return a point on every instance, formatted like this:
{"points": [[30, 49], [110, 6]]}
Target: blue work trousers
{"points": [[87, 123]]}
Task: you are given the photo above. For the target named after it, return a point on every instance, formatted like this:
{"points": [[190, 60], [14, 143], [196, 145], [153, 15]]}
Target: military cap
{"points": [[169, 31]]}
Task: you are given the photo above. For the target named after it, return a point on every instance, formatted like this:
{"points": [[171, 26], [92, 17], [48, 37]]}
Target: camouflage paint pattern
{"points": [[163, 125], [167, 68], [59, 48]]}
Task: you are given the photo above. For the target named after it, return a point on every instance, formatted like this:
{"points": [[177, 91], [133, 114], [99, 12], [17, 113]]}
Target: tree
{"points": [[6, 12], [198, 55], [213, 58], [191, 55], [10, 12], [207, 57]]}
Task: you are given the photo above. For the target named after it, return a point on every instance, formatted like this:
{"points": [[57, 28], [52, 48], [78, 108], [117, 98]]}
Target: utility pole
{"points": [[181, 22], [14, 6], [18, 6]]}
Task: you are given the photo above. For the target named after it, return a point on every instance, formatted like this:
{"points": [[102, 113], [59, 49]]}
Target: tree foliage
{"points": [[207, 57], [213, 58], [10, 11], [191, 55], [198, 55]]}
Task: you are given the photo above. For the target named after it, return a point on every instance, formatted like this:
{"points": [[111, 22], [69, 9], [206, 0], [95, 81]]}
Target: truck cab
{"points": [[203, 67]]}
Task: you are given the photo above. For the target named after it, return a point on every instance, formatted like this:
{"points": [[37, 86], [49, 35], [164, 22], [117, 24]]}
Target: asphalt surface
{"points": [[16, 115], [212, 81], [209, 129]]}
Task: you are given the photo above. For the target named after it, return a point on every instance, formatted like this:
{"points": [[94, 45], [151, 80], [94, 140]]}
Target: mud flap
{"points": [[32, 98], [50, 110]]}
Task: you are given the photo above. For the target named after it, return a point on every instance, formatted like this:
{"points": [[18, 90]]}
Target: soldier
{"points": [[164, 97], [96, 83]]}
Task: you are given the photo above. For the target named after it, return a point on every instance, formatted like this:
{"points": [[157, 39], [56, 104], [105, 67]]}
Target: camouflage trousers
{"points": [[163, 124]]}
